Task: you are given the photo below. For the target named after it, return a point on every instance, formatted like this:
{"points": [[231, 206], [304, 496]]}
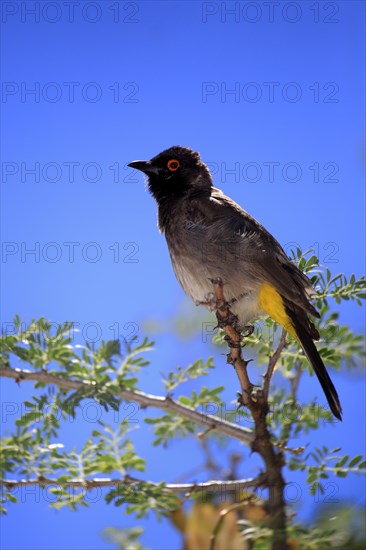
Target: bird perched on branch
{"points": [[209, 236]]}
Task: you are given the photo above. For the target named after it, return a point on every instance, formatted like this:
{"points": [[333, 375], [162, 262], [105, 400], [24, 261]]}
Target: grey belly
{"points": [[194, 271]]}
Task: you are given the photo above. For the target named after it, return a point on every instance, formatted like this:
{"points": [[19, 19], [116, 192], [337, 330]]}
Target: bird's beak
{"points": [[144, 166]]}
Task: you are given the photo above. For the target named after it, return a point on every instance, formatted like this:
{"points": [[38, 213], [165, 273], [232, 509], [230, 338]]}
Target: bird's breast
{"points": [[197, 259]]}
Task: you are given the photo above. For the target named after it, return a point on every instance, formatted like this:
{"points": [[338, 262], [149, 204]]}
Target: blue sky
{"points": [[273, 100]]}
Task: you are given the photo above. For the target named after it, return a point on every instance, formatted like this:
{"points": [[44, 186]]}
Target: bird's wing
{"points": [[253, 248]]}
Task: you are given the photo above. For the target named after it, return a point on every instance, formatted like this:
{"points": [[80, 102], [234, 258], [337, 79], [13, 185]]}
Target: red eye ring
{"points": [[173, 165]]}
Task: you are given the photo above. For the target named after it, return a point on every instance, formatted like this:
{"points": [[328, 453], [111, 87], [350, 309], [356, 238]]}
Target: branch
{"points": [[145, 400], [89, 484], [295, 380], [228, 322], [257, 403]]}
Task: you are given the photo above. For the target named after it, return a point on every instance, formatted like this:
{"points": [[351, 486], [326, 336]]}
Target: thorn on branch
{"points": [[249, 330], [229, 359], [201, 435], [240, 400]]}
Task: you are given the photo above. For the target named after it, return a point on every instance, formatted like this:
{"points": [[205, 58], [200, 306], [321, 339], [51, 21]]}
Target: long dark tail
{"points": [[306, 331]]}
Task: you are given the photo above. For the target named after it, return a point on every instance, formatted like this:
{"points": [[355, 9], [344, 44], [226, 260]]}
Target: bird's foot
{"points": [[209, 301]]}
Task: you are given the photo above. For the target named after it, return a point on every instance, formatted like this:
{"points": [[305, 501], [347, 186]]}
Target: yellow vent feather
{"points": [[271, 302]]}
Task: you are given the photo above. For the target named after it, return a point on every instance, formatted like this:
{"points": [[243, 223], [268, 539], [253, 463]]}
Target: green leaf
{"points": [[342, 462], [354, 461]]}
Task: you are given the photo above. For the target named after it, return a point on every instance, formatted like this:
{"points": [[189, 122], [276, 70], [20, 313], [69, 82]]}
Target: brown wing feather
{"points": [[220, 220]]}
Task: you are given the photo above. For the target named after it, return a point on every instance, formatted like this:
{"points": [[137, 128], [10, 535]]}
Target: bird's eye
{"points": [[173, 165]]}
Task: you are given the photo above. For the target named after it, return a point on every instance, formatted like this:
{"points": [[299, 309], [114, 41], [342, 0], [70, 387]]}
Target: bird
{"points": [[210, 236]]}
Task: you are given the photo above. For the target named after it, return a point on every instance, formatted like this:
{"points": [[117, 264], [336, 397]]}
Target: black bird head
{"points": [[174, 172]]}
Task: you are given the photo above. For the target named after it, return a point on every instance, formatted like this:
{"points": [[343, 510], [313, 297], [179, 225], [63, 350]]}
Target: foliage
{"points": [[35, 451], [124, 539]]}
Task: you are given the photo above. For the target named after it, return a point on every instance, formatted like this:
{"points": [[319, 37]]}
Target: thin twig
{"points": [[208, 465], [220, 521], [145, 400], [232, 508], [273, 362], [295, 380]]}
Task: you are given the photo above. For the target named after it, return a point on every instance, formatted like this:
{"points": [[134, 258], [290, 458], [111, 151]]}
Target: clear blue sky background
{"points": [[160, 56]]}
